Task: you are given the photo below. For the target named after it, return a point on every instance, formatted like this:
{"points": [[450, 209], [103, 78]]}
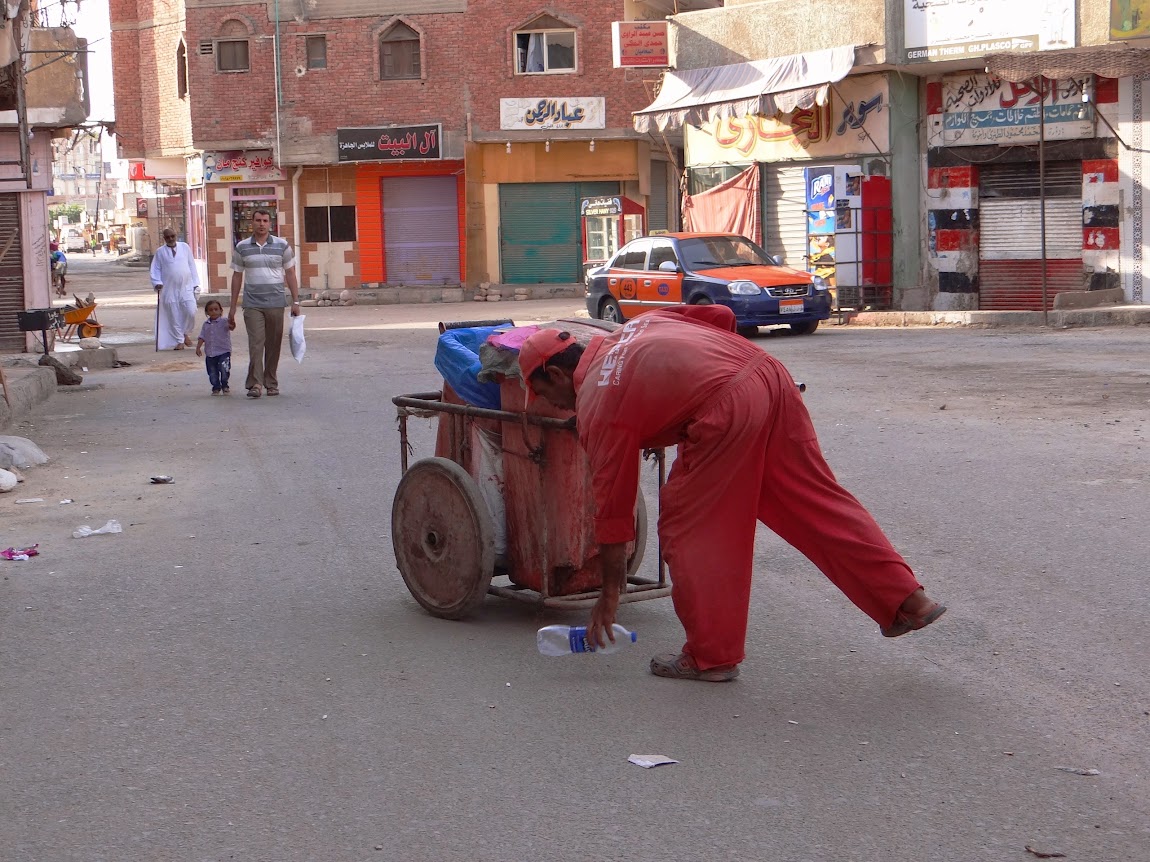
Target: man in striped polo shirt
{"points": [[264, 265]]}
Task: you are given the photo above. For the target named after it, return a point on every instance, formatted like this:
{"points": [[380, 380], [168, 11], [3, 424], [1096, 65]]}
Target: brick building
{"points": [[400, 144]]}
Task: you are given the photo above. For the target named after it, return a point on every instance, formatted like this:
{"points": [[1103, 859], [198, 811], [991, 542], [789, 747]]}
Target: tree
{"points": [[73, 212]]}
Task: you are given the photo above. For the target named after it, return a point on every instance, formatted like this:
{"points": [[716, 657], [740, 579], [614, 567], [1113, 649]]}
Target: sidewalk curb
{"points": [[1123, 315]]}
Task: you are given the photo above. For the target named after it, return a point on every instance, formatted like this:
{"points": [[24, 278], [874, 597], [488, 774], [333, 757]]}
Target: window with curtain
{"points": [[232, 48], [547, 45], [399, 53]]}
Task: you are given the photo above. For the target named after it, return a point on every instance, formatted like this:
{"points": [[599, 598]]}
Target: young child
{"points": [[216, 340]]}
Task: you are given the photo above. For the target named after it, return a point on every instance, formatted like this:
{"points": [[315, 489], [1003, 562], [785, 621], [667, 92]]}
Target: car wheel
{"points": [[807, 328], [610, 311], [702, 300]]}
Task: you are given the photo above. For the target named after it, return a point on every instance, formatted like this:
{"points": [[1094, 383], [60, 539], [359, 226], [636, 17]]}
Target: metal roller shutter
{"points": [[421, 229], [1010, 229], [785, 213], [540, 239], [657, 203], [1010, 237], [11, 273]]}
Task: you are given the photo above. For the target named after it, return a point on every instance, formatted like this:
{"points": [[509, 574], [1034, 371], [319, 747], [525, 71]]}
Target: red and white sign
{"points": [[640, 43]]}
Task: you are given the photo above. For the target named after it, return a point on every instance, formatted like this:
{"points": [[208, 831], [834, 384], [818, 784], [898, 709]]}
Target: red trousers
{"points": [[750, 455]]}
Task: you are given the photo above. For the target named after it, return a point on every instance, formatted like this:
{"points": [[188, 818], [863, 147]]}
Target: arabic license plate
{"points": [[790, 306]]}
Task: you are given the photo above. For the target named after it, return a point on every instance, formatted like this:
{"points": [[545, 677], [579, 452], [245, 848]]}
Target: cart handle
{"points": [[433, 401]]}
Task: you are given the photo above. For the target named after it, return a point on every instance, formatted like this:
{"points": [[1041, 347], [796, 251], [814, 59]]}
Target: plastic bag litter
{"points": [[112, 526], [21, 553], [295, 337]]}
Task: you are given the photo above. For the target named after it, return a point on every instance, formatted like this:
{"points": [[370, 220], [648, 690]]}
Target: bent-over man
{"points": [[747, 452]]}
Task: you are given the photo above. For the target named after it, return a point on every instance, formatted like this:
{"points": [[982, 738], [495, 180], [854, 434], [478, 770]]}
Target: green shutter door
{"points": [[540, 234]]}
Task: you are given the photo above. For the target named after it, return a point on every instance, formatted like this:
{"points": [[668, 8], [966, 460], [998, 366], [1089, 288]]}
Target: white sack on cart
{"points": [[489, 466]]}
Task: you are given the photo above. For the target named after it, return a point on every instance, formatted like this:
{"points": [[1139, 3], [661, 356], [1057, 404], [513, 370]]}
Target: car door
{"points": [[626, 274], [658, 288]]}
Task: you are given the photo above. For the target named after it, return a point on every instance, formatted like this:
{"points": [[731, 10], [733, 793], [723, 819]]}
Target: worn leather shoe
{"points": [[682, 666], [916, 612]]}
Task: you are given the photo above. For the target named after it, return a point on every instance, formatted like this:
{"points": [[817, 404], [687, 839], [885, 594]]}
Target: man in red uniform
{"points": [[747, 451]]}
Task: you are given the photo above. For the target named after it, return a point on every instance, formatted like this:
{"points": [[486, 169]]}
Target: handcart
{"points": [[78, 321], [442, 525]]}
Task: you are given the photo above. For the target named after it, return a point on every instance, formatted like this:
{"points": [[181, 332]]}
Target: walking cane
{"points": [[157, 321]]}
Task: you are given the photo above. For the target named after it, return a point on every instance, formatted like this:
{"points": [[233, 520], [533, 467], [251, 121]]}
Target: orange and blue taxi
{"points": [[704, 268]]}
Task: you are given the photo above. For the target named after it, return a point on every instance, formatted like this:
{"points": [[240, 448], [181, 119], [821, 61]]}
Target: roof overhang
{"points": [[1109, 61], [767, 87]]}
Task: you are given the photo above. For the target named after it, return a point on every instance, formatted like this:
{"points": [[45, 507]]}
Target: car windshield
{"points": [[709, 252]]}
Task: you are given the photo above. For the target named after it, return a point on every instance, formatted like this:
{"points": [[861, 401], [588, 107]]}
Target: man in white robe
{"points": [[177, 282]]}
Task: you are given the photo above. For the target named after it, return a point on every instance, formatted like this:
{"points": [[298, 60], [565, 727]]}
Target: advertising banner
{"points": [[1129, 19], [854, 121], [239, 166], [389, 144], [938, 30], [573, 112], [981, 109]]}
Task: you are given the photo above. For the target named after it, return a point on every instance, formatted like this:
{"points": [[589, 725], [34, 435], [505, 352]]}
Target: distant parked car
{"points": [[704, 268], [75, 242]]}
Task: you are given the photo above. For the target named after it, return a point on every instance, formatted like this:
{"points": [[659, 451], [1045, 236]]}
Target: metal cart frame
{"points": [[431, 404]]}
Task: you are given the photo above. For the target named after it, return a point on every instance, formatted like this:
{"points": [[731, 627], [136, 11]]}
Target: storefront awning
{"points": [[1107, 61], [781, 84]]}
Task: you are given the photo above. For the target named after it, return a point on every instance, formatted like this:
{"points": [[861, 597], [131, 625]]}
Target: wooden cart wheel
{"points": [[636, 559], [444, 538]]}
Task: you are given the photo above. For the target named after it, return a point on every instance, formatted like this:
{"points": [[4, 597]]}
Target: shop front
{"points": [[409, 205], [235, 184], [536, 179], [821, 177], [990, 188], [609, 223]]}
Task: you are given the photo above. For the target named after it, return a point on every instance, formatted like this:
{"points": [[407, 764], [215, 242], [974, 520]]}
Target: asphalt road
{"points": [[241, 673]]}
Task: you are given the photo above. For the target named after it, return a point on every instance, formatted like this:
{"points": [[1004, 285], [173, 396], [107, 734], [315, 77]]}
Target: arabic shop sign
{"points": [[982, 109], [577, 112], [936, 30], [390, 143], [600, 207], [240, 166], [639, 43], [854, 121]]}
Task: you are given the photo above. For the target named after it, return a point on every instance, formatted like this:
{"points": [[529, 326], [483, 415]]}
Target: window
{"points": [[316, 52], [232, 52], [182, 71], [662, 252], [399, 54], [632, 257], [329, 224], [232, 56], [546, 45]]}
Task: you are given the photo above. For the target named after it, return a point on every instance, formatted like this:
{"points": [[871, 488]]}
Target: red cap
{"points": [[537, 349]]}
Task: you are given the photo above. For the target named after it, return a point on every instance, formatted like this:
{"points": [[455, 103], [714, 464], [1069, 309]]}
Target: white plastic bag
{"points": [[112, 526], [295, 336]]}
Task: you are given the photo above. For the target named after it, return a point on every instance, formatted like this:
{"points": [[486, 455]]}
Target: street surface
{"points": [[242, 675]]}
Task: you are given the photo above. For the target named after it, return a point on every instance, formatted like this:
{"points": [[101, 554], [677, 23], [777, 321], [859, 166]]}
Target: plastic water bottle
{"points": [[566, 640]]}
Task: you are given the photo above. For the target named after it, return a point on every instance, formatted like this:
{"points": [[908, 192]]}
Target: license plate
{"points": [[790, 306]]}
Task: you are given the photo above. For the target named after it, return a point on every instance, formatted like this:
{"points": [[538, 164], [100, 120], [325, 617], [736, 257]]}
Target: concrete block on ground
{"points": [[1089, 298], [451, 294], [27, 388]]}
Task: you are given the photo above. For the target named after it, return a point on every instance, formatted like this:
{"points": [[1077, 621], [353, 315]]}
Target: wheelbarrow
{"points": [[445, 534], [80, 322]]}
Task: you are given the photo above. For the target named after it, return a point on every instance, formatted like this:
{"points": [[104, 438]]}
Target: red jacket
{"points": [[637, 387]]}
